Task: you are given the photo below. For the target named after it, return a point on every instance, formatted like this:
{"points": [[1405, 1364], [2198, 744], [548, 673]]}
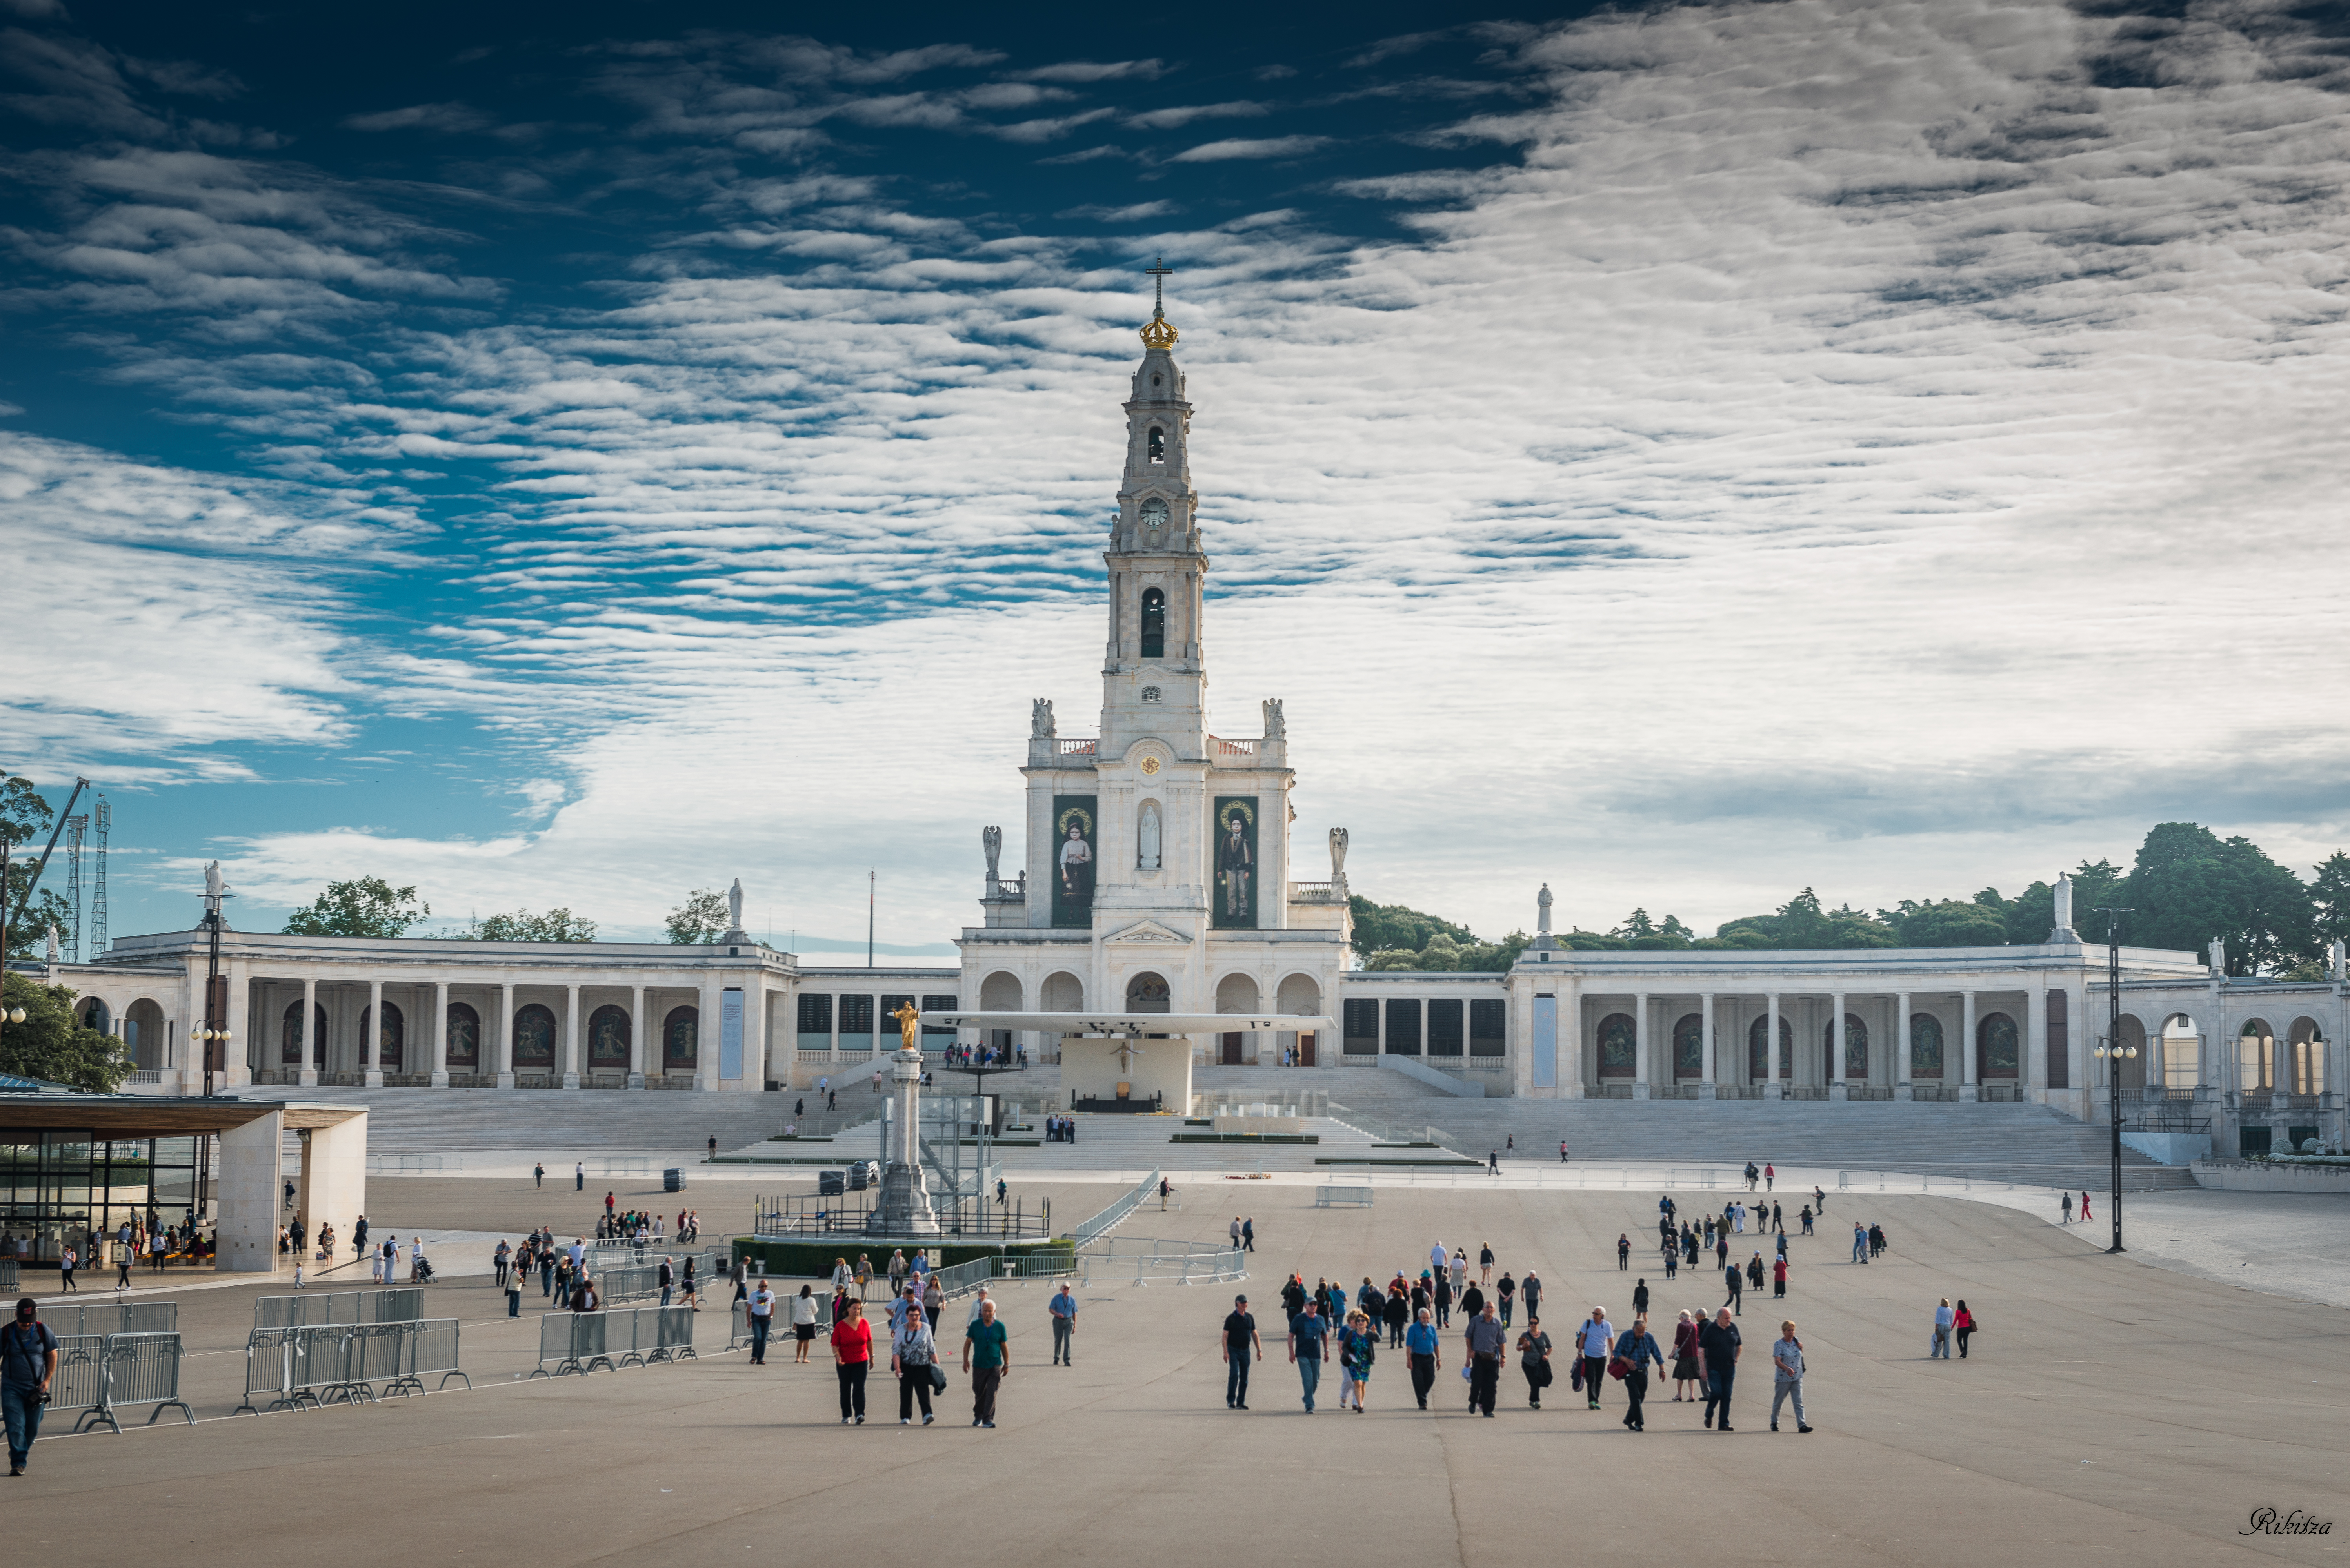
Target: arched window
{"points": [[608, 1039], [1148, 993], [2130, 1071], [1158, 444], [1154, 624], [289, 1036], [1924, 1045], [1856, 1046], [533, 1039], [1619, 1045], [95, 1016], [465, 1038], [681, 1039], [391, 1041], [1758, 1049], [2306, 1066], [2256, 1055], [1689, 1047], [2000, 1048]]}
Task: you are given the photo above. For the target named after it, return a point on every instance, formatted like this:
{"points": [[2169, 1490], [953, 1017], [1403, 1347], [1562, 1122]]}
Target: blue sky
{"points": [[569, 456]]}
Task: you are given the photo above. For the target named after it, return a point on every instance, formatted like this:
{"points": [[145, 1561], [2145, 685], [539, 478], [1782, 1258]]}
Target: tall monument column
{"points": [[904, 1207]]}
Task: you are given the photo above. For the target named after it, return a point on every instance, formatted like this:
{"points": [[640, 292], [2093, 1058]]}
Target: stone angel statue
{"points": [[1276, 728], [1039, 717]]}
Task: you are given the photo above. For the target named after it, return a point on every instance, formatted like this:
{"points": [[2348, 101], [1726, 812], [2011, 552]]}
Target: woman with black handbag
{"points": [[913, 1355], [1533, 1360]]}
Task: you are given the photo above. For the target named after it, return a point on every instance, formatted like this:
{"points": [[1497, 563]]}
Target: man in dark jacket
{"points": [[1487, 1340], [1717, 1365]]}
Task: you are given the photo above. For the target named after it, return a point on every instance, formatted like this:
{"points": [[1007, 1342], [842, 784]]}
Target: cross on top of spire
{"points": [[1158, 334]]}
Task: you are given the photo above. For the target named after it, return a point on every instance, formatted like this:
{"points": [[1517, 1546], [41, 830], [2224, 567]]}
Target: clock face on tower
{"points": [[1154, 517]]}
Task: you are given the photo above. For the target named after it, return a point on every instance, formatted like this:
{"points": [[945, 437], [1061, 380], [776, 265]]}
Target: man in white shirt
{"points": [[761, 1313], [1594, 1341]]}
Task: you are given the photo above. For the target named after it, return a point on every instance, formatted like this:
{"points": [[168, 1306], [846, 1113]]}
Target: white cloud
{"points": [[1803, 443], [1262, 147], [442, 117], [1184, 114]]}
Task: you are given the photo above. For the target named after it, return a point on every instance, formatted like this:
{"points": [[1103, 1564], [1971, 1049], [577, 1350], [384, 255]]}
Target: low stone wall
{"points": [[2169, 1147], [2262, 1176]]}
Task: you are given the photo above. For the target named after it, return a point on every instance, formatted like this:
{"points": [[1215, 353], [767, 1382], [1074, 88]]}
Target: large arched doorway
{"points": [[1062, 993], [534, 1038], [290, 1035], [1999, 1049], [1236, 993], [143, 1035], [465, 1038], [1689, 1047], [1619, 1047], [1758, 1049], [391, 1041], [2131, 1072], [2181, 1045], [92, 1013], [1299, 997], [610, 1035], [681, 1039], [1855, 1047], [1925, 1046], [1000, 993]]}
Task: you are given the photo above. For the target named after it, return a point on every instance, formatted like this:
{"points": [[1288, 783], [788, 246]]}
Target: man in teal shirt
{"points": [[987, 1356]]}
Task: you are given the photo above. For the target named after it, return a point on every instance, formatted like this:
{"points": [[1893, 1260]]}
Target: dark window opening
{"points": [[1444, 1027], [1403, 1027], [1359, 1025], [1158, 444], [1488, 1027], [1154, 624]]}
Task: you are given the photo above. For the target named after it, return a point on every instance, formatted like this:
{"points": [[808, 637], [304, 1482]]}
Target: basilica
{"points": [[1155, 921]]}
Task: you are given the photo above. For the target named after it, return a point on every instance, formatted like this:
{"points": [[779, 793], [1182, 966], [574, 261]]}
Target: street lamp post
{"points": [[2113, 1053]]}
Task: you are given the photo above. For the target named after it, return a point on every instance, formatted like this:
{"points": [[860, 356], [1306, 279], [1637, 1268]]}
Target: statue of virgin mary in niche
{"points": [[1146, 837]]}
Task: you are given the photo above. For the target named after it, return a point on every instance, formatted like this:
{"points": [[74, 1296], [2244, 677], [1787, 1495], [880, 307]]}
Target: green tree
{"points": [[1641, 931], [2190, 886], [2098, 885], [701, 918], [1949, 923], [52, 1045], [1387, 927], [365, 907], [25, 819], [2329, 897], [1802, 924], [521, 925]]}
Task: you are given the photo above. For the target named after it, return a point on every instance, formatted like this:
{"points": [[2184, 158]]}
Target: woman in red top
{"points": [[852, 1359], [1963, 1324], [1779, 1278], [1684, 1360]]}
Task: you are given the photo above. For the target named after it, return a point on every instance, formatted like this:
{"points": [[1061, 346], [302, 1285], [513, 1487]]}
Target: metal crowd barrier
{"points": [[80, 1383], [618, 1285], [315, 1308], [9, 1276], [739, 1325], [325, 1364], [584, 1342], [1145, 1262], [99, 1374], [1342, 1197], [102, 1318], [1110, 1216]]}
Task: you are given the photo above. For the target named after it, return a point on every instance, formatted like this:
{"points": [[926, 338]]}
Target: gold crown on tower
{"points": [[1155, 332]]}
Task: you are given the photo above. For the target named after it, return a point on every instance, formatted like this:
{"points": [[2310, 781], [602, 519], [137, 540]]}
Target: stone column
{"points": [[439, 1033], [1967, 1089], [2033, 1083], [503, 1035], [1839, 1087], [1899, 1068], [754, 1031], [1772, 1088], [571, 1036], [312, 1042], [372, 1035], [710, 1009], [636, 1036], [1643, 1058], [1705, 1012]]}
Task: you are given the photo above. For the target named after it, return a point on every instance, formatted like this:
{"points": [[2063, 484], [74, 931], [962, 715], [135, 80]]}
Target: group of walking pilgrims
{"points": [[1327, 1323]]}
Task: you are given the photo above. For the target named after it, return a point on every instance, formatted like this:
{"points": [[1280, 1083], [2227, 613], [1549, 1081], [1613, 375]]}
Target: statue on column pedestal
{"points": [[904, 1207]]}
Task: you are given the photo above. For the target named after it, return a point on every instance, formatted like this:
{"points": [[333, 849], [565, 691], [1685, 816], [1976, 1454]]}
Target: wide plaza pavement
{"points": [[2111, 1406]]}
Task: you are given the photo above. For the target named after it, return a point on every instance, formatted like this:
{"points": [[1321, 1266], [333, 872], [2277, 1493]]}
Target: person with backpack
{"points": [[1533, 1360], [28, 1359], [1594, 1340]]}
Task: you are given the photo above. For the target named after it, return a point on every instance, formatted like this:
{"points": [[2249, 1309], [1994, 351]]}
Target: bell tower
{"points": [[1154, 681]]}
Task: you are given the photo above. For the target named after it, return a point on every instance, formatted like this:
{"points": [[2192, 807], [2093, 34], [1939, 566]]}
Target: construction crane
{"points": [[13, 916], [77, 829], [97, 931]]}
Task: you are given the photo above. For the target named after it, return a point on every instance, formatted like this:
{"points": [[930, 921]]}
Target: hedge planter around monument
{"points": [[813, 1259]]}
